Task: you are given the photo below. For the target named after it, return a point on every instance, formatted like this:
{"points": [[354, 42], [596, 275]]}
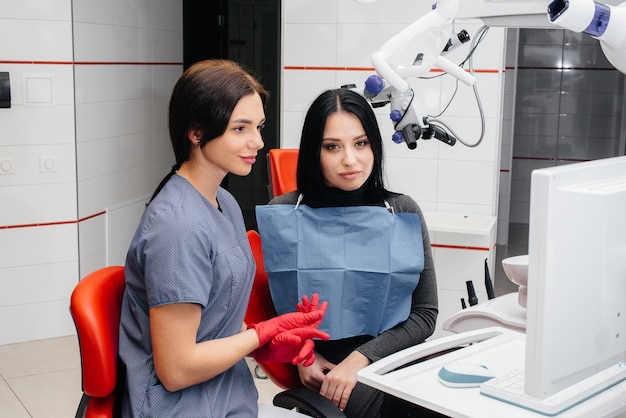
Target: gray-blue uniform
{"points": [[185, 250]]}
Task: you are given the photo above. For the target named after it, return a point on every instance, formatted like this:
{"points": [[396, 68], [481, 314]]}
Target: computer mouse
{"points": [[464, 374]]}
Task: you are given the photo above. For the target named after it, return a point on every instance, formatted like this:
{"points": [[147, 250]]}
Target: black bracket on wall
{"points": [[5, 90]]}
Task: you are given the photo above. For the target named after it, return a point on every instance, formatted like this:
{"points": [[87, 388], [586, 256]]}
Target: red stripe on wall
{"points": [[315, 68], [54, 223], [459, 247], [89, 63]]}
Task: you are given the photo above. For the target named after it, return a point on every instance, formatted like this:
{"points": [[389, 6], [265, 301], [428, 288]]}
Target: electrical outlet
{"points": [[7, 166], [47, 164]]}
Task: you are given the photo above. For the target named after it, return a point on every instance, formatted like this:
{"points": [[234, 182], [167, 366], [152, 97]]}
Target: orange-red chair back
{"points": [[95, 306], [260, 308], [283, 163]]}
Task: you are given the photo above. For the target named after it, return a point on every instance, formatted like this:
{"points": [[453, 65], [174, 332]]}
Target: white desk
{"points": [[498, 348]]}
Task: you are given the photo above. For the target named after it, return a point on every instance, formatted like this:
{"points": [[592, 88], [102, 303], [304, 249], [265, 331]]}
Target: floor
{"points": [[41, 379]]}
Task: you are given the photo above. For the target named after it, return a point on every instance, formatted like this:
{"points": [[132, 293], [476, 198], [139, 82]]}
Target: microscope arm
{"points": [[414, 51]]}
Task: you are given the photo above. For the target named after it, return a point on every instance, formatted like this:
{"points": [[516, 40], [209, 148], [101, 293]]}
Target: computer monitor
{"points": [[576, 316]]}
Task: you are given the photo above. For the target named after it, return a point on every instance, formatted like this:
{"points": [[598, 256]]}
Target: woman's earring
{"points": [[197, 142]]}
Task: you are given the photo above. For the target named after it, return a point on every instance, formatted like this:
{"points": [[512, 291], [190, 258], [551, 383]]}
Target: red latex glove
{"points": [[312, 318], [294, 346], [313, 305]]}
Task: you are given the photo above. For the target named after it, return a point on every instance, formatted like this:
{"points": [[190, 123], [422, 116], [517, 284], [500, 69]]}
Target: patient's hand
{"points": [[312, 376], [341, 380]]}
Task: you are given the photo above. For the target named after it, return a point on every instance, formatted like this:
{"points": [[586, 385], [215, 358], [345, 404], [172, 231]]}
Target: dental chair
{"points": [[282, 165], [284, 375]]}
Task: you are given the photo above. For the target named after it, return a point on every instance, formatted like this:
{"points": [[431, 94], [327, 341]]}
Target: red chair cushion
{"points": [[283, 163]]}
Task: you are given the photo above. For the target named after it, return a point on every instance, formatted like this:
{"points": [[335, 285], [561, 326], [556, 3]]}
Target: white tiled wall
{"points": [[90, 83]]}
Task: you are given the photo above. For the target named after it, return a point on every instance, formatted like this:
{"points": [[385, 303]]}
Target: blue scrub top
{"points": [[187, 251]]}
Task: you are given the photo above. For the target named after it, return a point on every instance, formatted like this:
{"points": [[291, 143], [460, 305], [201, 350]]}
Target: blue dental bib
{"points": [[364, 260]]}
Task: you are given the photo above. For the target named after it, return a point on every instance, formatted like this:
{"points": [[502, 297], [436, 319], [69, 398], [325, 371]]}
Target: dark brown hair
{"points": [[203, 99]]}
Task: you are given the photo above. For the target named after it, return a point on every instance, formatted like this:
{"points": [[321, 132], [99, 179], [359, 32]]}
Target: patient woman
{"points": [[362, 247]]}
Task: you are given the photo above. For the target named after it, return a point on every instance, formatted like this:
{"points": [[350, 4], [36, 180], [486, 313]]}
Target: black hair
{"points": [[309, 176]]}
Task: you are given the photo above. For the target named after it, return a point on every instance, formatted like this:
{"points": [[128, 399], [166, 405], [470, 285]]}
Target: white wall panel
{"points": [[166, 14], [310, 45], [37, 9], [37, 283], [104, 83], [401, 12], [37, 203], [38, 245], [301, 87], [107, 119], [306, 11], [92, 236], [115, 43], [35, 321], [164, 47], [99, 192], [113, 154], [417, 178], [38, 40]]}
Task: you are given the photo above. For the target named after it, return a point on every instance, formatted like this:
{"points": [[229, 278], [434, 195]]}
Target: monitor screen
{"points": [[576, 317]]}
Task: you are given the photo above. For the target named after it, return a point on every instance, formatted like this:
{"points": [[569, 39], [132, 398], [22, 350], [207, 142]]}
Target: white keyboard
{"points": [[510, 388]]}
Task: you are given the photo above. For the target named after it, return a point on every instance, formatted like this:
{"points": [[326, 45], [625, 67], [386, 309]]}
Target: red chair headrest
{"points": [[95, 306]]}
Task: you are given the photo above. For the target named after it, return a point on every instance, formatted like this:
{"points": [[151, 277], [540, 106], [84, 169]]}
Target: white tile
{"points": [[291, 128], [104, 83], [163, 79], [115, 43], [95, 120], [37, 283], [97, 193], [310, 11], [37, 40], [166, 46], [167, 15], [38, 245], [310, 45], [122, 221], [50, 395], [300, 88], [417, 178], [467, 182], [357, 42], [92, 236], [134, 13], [10, 405], [36, 9], [383, 11], [101, 157], [40, 203], [38, 357], [86, 11], [36, 321]]}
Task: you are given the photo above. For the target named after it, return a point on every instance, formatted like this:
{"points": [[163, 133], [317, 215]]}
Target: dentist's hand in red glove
{"points": [[294, 346], [312, 318]]}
